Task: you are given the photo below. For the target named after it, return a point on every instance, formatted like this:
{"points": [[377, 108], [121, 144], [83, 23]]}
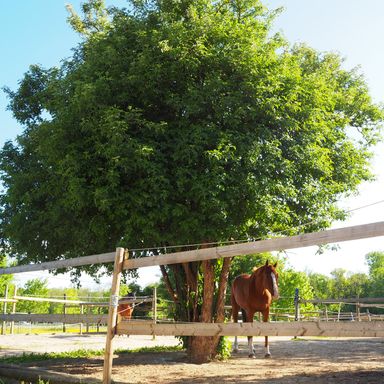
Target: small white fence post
{"points": [[13, 310], [4, 323], [154, 309]]}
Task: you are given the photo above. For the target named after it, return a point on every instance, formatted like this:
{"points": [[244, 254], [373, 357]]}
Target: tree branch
{"points": [[223, 282], [168, 284]]}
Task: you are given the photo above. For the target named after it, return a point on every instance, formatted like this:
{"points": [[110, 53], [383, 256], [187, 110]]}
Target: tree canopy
{"points": [[375, 261], [4, 279], [180, 122], [35, 288]]}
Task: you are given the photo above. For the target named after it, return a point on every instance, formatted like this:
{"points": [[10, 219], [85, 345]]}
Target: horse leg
{"points": [[235, 316], [250, 348], [266, 345], [249, 319]]}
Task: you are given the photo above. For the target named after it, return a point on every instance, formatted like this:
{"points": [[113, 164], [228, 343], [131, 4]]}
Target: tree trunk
{"points": [[201, 349], [187, 295], [168, 284], [220, 303]]}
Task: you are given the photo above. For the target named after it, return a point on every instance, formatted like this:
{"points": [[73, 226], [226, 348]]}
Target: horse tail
{"points": [[234, 308]]}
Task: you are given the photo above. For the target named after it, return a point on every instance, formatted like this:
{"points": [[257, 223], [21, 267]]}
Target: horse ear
{"points": [[267, 262], [275, 265]]}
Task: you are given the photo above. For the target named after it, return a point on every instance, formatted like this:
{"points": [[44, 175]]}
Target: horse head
{"points": [[268, 274], [125, 309]]}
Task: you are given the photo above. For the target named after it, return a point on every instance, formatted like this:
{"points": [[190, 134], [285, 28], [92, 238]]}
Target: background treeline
{"points": [[340, 284]]}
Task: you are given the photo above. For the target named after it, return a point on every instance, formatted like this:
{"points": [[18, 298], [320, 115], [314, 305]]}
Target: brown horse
{"points": [[254, 293], [126, 306]]}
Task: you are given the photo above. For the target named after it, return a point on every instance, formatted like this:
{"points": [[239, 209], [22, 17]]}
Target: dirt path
{"points": [[306, 360]]}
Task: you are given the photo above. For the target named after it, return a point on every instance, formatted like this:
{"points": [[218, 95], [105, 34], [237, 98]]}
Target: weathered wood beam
{"points": [[54, 318], [67, 263], [305, 240], [345, 300], [60, 301], [297, 328]]}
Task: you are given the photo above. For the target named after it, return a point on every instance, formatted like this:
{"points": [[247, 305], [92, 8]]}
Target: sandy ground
{"points": [[307, 360], [17, 344]]}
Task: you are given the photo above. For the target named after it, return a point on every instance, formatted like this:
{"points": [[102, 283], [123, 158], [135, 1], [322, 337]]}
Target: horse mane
{"points": [[255, 275], [257, 270]]}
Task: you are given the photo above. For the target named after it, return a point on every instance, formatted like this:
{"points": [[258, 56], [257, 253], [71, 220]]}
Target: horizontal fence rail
{"points": [[137, 300], [298, 328], [8, 301], [353, 300], [55, 318], [362, 305], [276, 244], [67, 263], [291, 242], [59, 301]]}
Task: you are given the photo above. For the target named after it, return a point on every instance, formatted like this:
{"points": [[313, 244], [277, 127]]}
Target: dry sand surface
{"points": [[307, 360]]}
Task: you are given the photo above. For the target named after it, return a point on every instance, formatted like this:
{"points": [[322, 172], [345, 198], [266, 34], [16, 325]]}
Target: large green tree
{"points": [[5, 280], [290, 281], [180, 122], [375, 261], [34, 288]]}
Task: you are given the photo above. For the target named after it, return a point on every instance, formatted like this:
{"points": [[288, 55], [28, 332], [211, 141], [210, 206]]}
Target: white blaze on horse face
{"points": [[275, 287]]}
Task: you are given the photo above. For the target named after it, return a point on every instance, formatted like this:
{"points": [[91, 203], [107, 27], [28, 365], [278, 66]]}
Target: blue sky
{"points": [[354, 29], [36, 32]]}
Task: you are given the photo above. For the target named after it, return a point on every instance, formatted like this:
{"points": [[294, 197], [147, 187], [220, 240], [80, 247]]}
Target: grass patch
{"points": [[298, 339], [174, 348], [81, 354], [30, 357], [309, 338]]}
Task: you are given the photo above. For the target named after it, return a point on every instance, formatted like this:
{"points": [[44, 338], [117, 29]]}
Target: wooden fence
{"points": [[269, 245], [73, 318], [64, 318], [300, 328], [289, 329]]}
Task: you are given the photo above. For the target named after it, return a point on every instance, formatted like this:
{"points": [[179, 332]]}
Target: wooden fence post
{"points": [[64, 313], [98, 324], [13, 311], [81, 323], [88, 312], [297, 304], [154, 309], [4, 323], [112, 315]]}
